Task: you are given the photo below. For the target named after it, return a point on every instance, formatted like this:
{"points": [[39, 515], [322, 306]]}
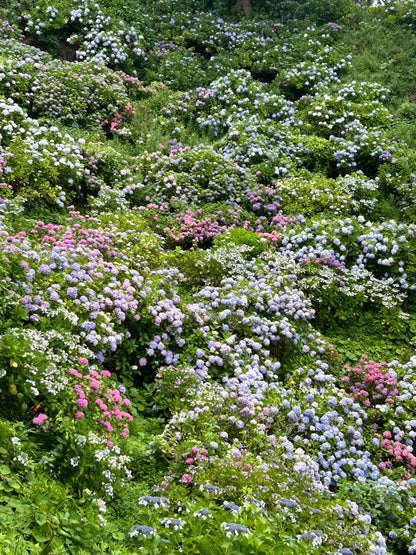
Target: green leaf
{"points": [[118, 535], [6, 487], [40, 519], [4, 469], [18, 505], [15, 484], [42, 533]]}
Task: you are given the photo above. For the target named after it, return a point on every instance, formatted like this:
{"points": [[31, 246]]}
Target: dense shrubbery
{"points": [[212, 348]]}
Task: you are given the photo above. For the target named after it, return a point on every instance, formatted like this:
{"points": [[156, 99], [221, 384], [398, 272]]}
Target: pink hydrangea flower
{"points": [[38, 420]]}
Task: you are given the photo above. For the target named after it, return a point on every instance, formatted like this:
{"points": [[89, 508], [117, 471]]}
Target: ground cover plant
{"points": [[207, 278]]}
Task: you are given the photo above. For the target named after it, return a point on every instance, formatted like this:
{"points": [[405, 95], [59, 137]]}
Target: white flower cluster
{"points": [[99, 42]]}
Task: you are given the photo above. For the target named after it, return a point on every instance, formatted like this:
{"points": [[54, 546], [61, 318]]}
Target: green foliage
{"points": [[375, 334], [239, 237], [383, 53], [181, 69], [209, 517], [386, 505], [39, 514], [318, 155], [328, 11]]}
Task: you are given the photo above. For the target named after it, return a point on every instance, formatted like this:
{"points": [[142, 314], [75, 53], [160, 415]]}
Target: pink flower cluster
{"points": [[107, 400], [117, 119], [131, 82], [16, 238], [194, 228], [371, 383], [400, 453], [194, 456], [39, 419], [73, 236]]}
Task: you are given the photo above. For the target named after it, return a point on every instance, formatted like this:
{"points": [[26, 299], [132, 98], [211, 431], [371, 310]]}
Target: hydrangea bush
{"points": [[207, 237]]}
